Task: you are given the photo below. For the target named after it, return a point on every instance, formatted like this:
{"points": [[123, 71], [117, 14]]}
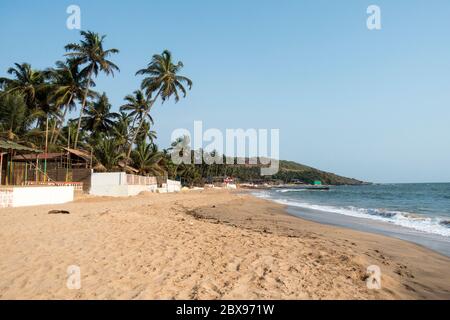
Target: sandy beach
{"points": [[203, 245]]}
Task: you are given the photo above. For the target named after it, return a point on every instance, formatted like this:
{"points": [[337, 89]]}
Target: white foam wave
{"points": [[433, 225], [290, 190]]}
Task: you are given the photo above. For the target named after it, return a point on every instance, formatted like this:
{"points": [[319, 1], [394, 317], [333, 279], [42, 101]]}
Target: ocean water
{"points": [[423, 208]]}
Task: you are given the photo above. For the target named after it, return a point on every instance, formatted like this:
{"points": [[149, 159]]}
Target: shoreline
{"points": [[364, 210], [211, 244], [435, 242]]}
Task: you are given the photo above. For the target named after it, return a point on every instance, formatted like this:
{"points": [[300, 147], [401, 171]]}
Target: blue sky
{"points": [[373, 105]]}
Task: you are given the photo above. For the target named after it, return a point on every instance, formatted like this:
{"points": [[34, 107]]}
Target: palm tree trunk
{"points": [[53, 131], [132, 126], [140, 126], [83, 105], [61, 121], [134, 120]]}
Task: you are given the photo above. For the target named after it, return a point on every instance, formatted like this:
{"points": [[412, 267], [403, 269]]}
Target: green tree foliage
{"points": [[90, 55], [34, 105]]}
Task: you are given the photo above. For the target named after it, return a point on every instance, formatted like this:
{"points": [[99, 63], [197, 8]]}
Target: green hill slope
{"points": [[290, 170]]}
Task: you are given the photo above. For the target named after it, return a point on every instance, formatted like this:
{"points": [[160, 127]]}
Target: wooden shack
{"points": [[63, 167]]}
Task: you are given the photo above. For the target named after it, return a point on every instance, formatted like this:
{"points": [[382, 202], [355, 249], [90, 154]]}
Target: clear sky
{"points": [[373, 105]]}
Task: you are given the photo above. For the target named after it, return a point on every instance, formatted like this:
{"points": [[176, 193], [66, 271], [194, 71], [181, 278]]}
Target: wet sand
{"points": [[431, 241]]}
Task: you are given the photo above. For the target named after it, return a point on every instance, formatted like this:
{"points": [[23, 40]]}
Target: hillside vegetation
{"points": [[290, 170]]}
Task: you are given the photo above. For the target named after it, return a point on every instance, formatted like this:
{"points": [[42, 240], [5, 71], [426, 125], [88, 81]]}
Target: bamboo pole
{"points": [[12, 171], [36, 166], [46, 150], [7, 173], [1, 166], [68, 154]]}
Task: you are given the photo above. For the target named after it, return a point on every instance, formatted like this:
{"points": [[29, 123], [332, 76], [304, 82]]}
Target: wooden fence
{"points": [[22, 174]]}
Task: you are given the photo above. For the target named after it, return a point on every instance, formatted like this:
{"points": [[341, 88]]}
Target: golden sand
{"points": [[202, 245]]}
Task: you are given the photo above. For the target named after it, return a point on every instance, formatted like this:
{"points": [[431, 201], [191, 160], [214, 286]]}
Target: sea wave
{"points": [[433, 225], [445, 223], [300, 190], [290, 190]]}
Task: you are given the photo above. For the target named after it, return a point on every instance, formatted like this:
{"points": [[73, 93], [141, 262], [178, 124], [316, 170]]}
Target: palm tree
{"points": [[27, 82], [90, 53], [107, 153], [189, 173], [162, 78], [151, 135], [147, 159], [68, 133], [13, 115], [120, 130], [145, 133], [98, 117], [67, 86], [16, 120], [180, 147], [137, 103], [169, 165]]}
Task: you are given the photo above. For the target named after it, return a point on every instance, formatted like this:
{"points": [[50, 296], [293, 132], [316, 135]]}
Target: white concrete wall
{"points": [[173, 186], [170, 186], [108, 178], [114, 184], [38, 195], [6, 197], [121, 190]]}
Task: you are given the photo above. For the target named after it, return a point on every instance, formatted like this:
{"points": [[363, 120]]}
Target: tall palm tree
{"points": [[121, 129], [68, 133], [27, 82], [13, 115], [145, 133], [67, 85], [90, 54], [136, 103], [98, 117], [152, 136], [16, 120], [32, 85], [163, 81]]}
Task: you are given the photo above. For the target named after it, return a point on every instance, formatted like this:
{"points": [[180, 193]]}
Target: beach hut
{"points": [[9, 150], [12, 195], [70, 166]]}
